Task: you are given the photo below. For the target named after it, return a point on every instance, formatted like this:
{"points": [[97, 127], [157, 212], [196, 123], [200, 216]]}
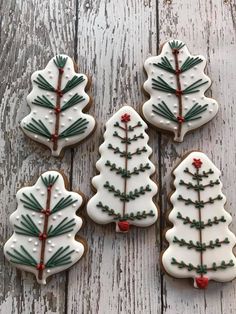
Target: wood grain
{"points": [[111, 40]]}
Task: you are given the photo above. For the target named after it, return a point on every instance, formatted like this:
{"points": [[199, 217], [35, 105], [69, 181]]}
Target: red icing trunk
{"points": [[202, 282], [123, 226]]}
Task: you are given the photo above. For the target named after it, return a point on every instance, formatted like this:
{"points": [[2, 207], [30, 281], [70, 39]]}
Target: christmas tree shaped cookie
{"points": [[57, 101], [124, 188], [45, 224], [176, 84], [200, 242]]}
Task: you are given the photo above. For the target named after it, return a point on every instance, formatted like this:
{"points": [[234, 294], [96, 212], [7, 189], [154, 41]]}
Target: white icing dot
{"points": [[53, 245], [52, 98], [59, 214], [17, 217], [69, 235], [161, 121], [75, 108], [213, 103], [175, 105], [168, 122], [40, 222], [42, 193], [67, 76], [70, 118], [189, 124], [38, 188], [49, 241], [48, 140], [192, 76], [50, 112], [171, 82], [63, 115], [48, 94], [48, 270], [54, 217], [30, 240], [159, 97], [66, 139], [186, 108], [51, 121], [183, 76], [34, 249], [202, 97], [195, 68], [36, 136], [33, 214], [49, 72], [46, 117], [186, 97], [171, 76], [194, 99], [175, 128], [185, 84], [77, 251], [41, 216], [12, 246], [70, 94], [210, 110], [51, 76], [167, 52], [152, 114], [171, 60], [14, 240], [74, 205], [87, 5], [34, 112], [175, 111], [36, 243], [162, 74], [169, 95], [59, 193], [62, 125], [65, 100], [57, 188], [49, 250]]}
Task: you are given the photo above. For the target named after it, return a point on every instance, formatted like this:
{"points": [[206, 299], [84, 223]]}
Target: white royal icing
{"points": [[31, 243], [209, 212], [167, 101], [140, 203], [67, 117]]}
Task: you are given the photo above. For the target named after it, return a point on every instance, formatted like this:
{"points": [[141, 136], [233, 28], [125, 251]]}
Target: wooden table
{"points": [[110, 40]]}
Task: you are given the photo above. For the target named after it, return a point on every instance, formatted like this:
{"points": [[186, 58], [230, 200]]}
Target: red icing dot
{"points": [[40, 266], [175, 51], [177, 71], [59, 92], [202, 282], [61, 71], [180, 119], [46, 212], [54, 137], [197, 163], [125, 118], [42, 236], [57, 110], [178, 92], [123, 225]]}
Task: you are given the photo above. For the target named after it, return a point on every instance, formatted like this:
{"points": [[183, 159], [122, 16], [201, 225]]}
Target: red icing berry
{"points": [[59, 92], [46, 212], [42, 236], [125, 118], [177, 71], [178, 92], [123, 225], [54, 137], [57, 110], [61, 71], [197, 163], [40, 266], [202, 282], [175, 51], [180, 119]]}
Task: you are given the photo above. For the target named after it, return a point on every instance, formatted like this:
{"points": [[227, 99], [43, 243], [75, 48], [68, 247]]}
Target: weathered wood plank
{"points": [[208, 27], [31, 33], [121, 273]]}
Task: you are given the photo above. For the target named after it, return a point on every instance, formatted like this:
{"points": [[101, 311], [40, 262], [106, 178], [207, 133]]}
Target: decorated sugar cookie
{"points": [[176, 84], [200, 242], [45, 224], [124, 189], [57, 101]]}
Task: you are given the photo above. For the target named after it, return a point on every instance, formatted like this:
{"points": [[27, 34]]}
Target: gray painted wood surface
{"points": [[110, 40]]}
